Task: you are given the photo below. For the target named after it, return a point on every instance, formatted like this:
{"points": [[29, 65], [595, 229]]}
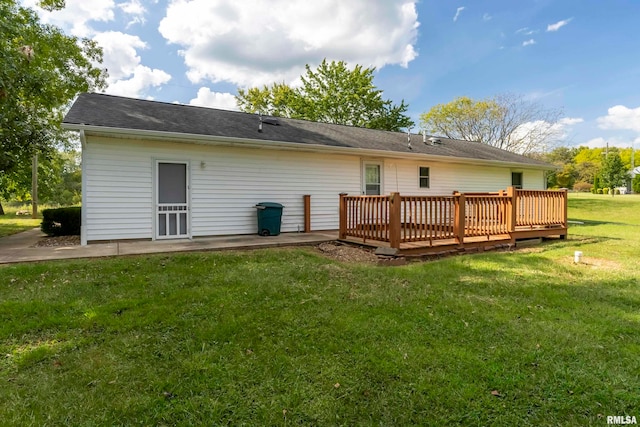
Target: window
{"points": [[372, 179], [424, 177], [516, 179]]}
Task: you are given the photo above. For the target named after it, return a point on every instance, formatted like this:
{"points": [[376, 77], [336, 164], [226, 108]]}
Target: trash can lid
{"points": [[270, 205]]}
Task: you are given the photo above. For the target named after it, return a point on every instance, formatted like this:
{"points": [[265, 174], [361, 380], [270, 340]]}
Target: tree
{"points": [[41, 71], [635, 184], [60, 180], [505, 121], [331, 94], [613, 173]]}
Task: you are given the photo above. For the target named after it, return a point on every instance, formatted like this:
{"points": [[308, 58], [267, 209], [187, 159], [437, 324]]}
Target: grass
{"points": [[287, 337], [10, 223]]}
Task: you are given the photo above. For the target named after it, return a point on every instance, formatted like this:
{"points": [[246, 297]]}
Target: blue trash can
{"points": [[269, 218]]}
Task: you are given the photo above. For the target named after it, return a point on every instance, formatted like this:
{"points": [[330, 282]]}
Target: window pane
{"points": [[172, 183], [173, 226], [373, 174], [183, 223], [372, 179], [424, 177], [372, 190], [516, 179], [162, 225]]}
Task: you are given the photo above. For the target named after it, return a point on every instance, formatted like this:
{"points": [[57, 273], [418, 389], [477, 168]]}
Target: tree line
{"points": [[589, 169]]}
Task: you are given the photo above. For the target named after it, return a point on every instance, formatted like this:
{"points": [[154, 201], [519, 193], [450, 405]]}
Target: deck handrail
{"points": [[398, 219], [535, 208]]}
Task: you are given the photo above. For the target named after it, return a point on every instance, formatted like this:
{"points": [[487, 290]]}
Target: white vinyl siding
{"points": [[226, 189], [444, 178], [226, 182], [119, 192], [225, 185]]}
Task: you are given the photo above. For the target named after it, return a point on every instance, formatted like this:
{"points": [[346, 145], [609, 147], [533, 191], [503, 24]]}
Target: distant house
{"points": [[155, 170]]}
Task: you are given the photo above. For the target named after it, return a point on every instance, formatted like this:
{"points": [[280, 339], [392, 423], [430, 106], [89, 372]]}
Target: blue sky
{"points": [[577, 55]]}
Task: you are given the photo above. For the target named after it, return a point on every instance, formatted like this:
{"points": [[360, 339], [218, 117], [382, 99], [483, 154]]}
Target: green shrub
{"points": [[636, 184], [582, 187], [605, 190], [599, 191], [617, 191], [61, 221]]}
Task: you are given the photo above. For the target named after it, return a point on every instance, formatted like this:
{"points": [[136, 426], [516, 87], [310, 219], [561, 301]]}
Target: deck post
{"points": [[395, 205], [342, 233], [513, 205], [459, 218], [566, 209], [565, 220], [307, 213]]}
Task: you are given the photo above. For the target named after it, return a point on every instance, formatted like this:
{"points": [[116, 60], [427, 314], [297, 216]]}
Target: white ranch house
{"points": [[155, 170]]}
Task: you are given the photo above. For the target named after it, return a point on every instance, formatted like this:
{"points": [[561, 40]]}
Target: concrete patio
{"points": [[19, 247]]}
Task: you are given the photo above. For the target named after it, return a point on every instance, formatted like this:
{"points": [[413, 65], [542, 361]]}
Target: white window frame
{"points": [[420, 176], [380, 165]]}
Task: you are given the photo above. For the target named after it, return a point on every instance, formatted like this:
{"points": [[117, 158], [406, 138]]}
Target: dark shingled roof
{"points": [[107, 111]]}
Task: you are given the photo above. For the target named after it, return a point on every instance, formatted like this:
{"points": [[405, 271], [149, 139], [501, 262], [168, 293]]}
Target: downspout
{"points": [[83, 209]]}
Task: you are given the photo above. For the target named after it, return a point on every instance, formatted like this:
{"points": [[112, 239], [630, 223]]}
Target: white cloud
{"points": [[620, 117], [544, 130], [570, 121], [595, 143], [526, 31], [77, 14], [256, 42], [458, 12], [558, 25], [127, 76], [136, 10], [207, 98], [142, 78], [133, 7], [528, 42], [486, 17]]}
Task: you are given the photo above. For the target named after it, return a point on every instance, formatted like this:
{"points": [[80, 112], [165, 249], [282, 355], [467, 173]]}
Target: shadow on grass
{"points": [[590, 222]]}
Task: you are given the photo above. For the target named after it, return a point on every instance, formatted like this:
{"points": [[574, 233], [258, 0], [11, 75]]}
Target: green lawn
{"points": [[10, 223], [288, 337]]}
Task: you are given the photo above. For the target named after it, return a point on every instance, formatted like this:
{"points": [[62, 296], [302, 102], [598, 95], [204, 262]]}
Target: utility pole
{"points": [[34, 187], [633, 164]]}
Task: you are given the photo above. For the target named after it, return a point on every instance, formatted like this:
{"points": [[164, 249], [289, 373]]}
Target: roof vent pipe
{"points": [[260, 124]]}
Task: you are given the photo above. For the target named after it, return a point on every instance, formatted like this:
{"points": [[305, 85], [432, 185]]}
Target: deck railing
{"points": [[535, 208], [398, 219]]}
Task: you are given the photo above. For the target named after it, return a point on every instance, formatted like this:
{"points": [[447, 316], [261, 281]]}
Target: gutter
{"points": [[283, 145]]}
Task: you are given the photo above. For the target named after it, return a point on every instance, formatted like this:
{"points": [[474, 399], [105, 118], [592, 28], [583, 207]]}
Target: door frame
{"points": [[156, 198]]}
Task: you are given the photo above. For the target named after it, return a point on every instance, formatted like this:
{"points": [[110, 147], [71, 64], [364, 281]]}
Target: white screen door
{"points": [[372, 179], [172, 201]]}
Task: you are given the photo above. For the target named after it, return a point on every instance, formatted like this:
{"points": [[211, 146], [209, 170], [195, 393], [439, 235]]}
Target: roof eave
{"points": [[285, 145]]}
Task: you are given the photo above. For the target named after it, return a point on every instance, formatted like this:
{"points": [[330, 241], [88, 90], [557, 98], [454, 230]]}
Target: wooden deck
{"points": [[416, 225]]}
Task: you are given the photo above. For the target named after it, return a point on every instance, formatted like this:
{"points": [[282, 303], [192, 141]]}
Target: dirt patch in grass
{"points": [[347, 253], [599, 263], [48, 242]]}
